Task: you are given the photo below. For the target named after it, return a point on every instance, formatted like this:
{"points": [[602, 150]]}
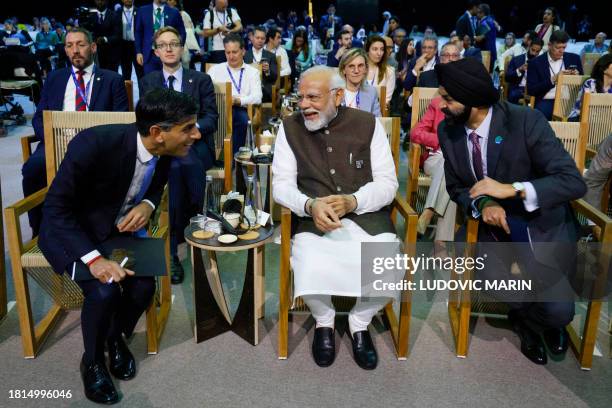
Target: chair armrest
{"points": [[26, 146], [27, 203], [592, 213], [13, 226], [403, 208]]}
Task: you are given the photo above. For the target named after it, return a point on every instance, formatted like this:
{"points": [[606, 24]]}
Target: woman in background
{"points": [[358, 93]]}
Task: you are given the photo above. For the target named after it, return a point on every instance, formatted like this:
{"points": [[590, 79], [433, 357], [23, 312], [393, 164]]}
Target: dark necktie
{"points": [[171, 79], [80, 105], [476, 155]]}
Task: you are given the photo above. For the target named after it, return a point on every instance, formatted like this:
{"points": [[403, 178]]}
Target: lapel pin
{"points": [[498, 139], [98, 78], [191, 80]]}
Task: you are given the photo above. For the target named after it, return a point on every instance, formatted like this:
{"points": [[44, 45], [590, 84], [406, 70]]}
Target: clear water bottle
{"points": [[250, 206], [250, 141], [209, 199]]}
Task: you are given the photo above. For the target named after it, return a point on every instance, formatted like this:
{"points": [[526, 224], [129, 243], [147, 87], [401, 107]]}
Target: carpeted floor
{"points": [[228, 372]]}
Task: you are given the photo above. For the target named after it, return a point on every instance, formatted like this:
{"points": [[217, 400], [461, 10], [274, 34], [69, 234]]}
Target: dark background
{"points": [[440, 15]]}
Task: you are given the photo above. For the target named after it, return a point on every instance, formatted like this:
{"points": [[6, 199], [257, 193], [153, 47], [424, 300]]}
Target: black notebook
{"points": [[146, 257]]}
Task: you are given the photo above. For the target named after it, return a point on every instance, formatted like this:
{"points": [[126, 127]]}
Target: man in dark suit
{"points": [[100, 90], [149, 19], [516, 73], [448, 53], [426, 62], [504, 165], [260, 55], [544, 71], [128, 50], [110, 182], [465, 47], [467, 23], [342, 45], [106, 30], [187, 174]]}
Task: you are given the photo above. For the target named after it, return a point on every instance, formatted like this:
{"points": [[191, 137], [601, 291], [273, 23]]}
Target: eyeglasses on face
{"points": [[172, 45]]}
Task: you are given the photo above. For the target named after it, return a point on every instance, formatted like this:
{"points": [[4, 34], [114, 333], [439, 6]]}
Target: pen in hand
{"points": [[122, 264]]}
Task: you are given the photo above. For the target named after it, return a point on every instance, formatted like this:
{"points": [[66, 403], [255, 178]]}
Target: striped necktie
{"points": [[158, 19], [146, 183], [79, 104], [476, 156]]}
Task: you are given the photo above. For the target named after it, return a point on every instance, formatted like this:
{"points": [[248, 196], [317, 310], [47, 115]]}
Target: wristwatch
{"points": [[518, 188]]}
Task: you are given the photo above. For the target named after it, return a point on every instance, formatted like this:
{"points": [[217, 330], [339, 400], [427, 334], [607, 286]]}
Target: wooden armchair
{"points": [[28, 260], [382, 100], [568, 88], [573, 137], [588, 62], [399, 325], [486, 60], [222, 176], [596, 115]]}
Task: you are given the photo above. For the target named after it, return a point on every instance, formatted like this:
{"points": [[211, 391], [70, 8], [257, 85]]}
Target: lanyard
{"points": [[129, 21], [356, 100], [87, 87], [560, 69], [239, 86], [224, 18]]}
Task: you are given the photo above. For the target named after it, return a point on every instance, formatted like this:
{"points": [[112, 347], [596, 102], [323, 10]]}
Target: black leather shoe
{"points": [[177, 272], [556, 340], [532, 346], [121, 361], [324, 346], [363, 350], [98, 384]]}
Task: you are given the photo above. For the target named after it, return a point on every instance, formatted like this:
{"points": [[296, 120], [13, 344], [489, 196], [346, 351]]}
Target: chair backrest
{"points": [[421, 98], [278, 70], [129, 89], [382, 100], [61, 127], [486, 59], [568, 88], [588, 61], [570, 135], [597, 116], [392, 127], [223, 97]]}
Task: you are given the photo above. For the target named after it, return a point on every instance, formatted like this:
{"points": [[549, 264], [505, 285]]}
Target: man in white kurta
{"points": [[354, 193]]}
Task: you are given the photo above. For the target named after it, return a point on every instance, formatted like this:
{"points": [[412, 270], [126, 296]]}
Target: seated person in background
{"points": [[187, 178], [345, 40], [337, 208], [94, 198], [46, 41], [545, 69], [246, 86], [14, 38], [273, 44], [465, 47], [80, 87], [300, 54], [358, 93], [599, 82], [391, 61], [516, 73], [259, 55], [598, 46], [598, 173], [520, 186], [426, 62], [379, 72], [448, 53], [516, 50]]}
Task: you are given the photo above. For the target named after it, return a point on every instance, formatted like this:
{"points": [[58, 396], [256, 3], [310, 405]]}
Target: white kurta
{"points": [[331, 264]]}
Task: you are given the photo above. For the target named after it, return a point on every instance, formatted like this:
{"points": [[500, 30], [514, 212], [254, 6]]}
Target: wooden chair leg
{"points": [[583, 348], [284, 282], [157, 319]]}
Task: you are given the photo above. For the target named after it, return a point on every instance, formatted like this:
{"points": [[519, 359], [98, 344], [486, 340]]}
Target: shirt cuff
{"points": [[88, 257], [531, 197], [414, 73], [475, 211], [519, 73], [150, 203]]}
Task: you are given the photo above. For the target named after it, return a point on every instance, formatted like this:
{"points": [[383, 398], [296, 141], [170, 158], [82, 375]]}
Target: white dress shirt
{"points": [[514, 51], [531, 198], [142, 157], [220, 19], [177, 85], [285, 68], [127, 18], [250, 88], [257, 54], [388, 81], [555, 67], [370, 197], [70, 93]]}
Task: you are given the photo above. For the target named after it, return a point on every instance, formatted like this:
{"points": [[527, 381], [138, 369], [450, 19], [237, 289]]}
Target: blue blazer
{"points": [[86, 196], [538, 80], [411, 80], [368, 100], [107, 94], [512, 77], [474, 53], [143, 28]]}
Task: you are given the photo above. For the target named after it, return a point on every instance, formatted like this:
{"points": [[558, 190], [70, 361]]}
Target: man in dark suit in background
{"points": [[149, 19], [448, 53], [544, 71], [110, 182], [260, 55], [464, 44], [187, 178], [516, 73], [97, 90], [504, 165], [426, 62], [467, 23], [128, 50], [106, 31]]}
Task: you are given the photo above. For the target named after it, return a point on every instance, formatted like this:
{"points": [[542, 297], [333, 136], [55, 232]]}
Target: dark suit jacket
{"points": [[112, 29], [199, 86], [512, 77], [538, 80], [143, 28], [87, 194], [521, 147], [411, 80], [107, 94], [473, 52], [428, 79], [267, 80], [464, 26]]}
